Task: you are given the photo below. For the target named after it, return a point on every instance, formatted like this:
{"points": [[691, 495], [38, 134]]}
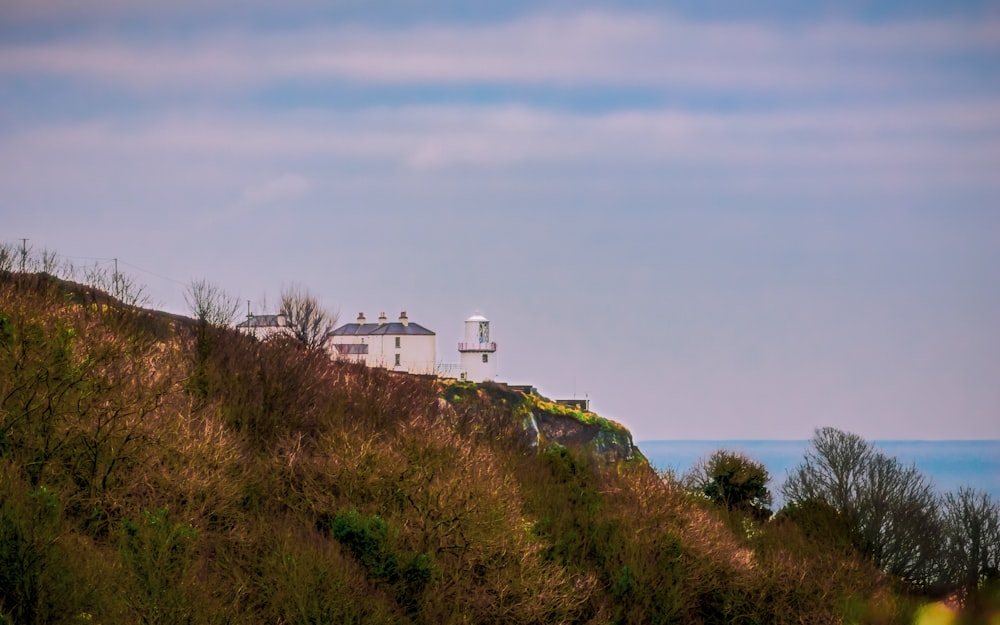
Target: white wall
{"points": [[475, 369], [263, 333], [417, 352], [471, 362]]}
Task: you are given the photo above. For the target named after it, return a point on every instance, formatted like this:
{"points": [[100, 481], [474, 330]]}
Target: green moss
{"points": [[457, 392], [586, 417]]}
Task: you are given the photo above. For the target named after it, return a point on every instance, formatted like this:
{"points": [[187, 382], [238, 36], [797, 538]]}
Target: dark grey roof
{"points": [[369, 329], [263, 321]]}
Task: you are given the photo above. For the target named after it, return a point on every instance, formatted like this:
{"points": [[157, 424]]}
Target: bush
{"points": [[822, 525], [733, 480], [367, 538], [39, 580], [158, 555]]}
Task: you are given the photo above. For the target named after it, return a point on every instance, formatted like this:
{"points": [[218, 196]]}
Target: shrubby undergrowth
{"points": [[154, 470]]}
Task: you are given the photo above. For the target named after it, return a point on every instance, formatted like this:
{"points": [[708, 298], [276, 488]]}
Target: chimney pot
{"points": [[361, 317], [403, 319], [381, 318]]}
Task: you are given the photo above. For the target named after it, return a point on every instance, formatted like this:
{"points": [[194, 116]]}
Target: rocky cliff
{"points": [[541, 422]]}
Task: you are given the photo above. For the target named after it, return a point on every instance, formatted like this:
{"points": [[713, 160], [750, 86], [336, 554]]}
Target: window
{"points": [[397, 360], [486, 357], [397, 342], [351, 348]]}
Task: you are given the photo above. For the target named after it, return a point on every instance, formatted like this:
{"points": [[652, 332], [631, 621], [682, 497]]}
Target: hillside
{"points": [[153, 470]]}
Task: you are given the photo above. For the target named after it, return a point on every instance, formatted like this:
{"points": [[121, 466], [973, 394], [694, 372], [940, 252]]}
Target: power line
{"points": [[100, 260], [152, 273], [118, 260], [85, 257]]}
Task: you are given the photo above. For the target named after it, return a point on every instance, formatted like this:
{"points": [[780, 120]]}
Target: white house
{"points": [[264, 326], [397, 346], [477, 353]]}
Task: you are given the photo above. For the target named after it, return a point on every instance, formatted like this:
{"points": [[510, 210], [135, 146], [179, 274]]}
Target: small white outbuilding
{"points": [[263, 327]]}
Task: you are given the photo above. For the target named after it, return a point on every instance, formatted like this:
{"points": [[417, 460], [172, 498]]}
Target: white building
{"points": [[264, 327], [397, 346], [477, 353]]}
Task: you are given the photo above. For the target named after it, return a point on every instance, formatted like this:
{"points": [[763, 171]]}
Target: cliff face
{"points": [[542, 423], [611, 444]]}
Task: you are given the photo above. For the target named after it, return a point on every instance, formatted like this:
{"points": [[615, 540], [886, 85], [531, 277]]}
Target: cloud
{"points": [[929, 141], [214, 167], [51, 10], [581, 49]]}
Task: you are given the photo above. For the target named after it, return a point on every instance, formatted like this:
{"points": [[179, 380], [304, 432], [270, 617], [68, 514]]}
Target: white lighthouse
{"points": [[477, 352]]}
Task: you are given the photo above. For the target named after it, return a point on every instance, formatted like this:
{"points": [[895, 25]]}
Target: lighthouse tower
{"points": [[477, 352]]}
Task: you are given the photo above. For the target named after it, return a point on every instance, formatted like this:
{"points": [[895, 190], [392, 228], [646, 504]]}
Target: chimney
{"points": [[403, 319], [381, 319], [361, 318]]}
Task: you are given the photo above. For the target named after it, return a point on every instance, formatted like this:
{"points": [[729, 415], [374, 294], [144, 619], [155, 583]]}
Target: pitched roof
{"points": [[370, 329], [263, 321]]}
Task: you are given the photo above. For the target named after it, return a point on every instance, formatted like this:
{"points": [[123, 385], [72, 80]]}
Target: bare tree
{"points": [[971, 538], [832, 470], [307, 320], [210, 304], [892, 507], [8, 252], [122, 286], [897, 515], [47, 261], [25, 259]]}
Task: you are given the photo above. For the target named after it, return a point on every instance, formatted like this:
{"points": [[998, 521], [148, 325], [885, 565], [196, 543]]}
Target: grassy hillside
{"points": [[156, 471]]}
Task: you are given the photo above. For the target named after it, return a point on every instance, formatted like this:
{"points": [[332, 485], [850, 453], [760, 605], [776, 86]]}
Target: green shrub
{"points": [[158, 554], [367, 538], [37, 583]]}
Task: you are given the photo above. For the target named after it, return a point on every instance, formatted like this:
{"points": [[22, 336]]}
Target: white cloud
{"points": [[959, 134], [219, 166], [20, 11], [580, 49]]}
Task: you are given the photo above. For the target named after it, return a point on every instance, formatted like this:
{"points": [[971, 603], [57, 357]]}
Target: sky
{"points": [[715, 220]]}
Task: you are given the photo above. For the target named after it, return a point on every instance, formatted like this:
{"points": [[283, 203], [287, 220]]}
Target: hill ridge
{"points": [[154, 469]]}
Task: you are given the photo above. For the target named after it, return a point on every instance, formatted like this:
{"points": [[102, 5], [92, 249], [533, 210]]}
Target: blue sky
{"points": [[715, 221]]}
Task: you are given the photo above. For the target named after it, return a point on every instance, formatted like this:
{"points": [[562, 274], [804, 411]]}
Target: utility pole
{"points": [[114, 280], [24, 253]]}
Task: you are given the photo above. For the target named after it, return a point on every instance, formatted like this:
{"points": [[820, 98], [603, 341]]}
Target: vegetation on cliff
{"points": [[158, 470]]}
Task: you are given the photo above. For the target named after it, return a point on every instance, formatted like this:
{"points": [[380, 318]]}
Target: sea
{"points": [[949, 464]]}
